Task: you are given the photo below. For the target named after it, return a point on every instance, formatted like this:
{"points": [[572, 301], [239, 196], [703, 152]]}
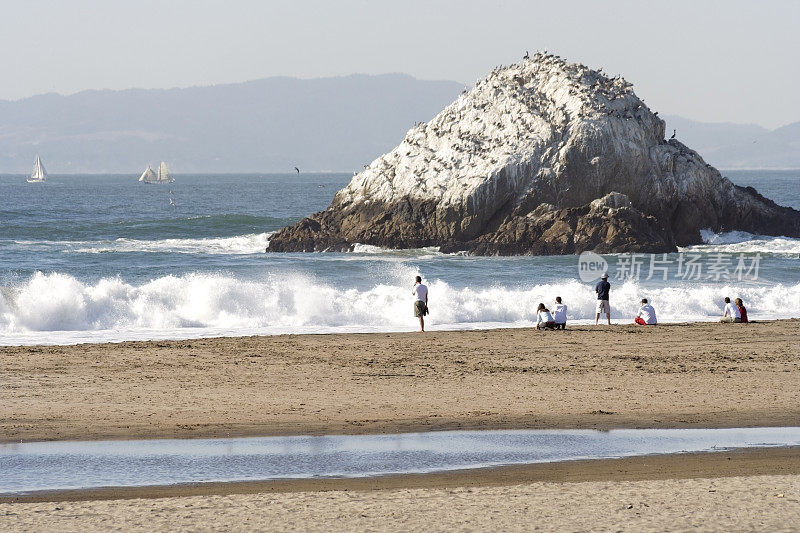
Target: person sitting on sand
{"points": [[646, 315], [544, 320], [731, 313], [420, 293], [742, 311], [602, 288], [560, 314]]}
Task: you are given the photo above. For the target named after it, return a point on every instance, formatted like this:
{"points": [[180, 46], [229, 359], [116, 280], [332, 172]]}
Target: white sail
{"points": [[163, 173], [148, 176], [39, 173]]}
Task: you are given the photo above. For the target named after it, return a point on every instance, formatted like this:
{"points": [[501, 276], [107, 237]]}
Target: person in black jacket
{"points": [[602, 288]]}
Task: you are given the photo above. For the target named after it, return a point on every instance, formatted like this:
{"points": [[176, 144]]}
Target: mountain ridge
{"points": [[733, 146], [270, 124], [120, 131]]}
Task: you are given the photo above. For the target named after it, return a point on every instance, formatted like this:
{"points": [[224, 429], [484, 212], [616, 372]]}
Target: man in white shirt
{"points": [[731, 313], [420, 293], [560, 314], [646, 315]]}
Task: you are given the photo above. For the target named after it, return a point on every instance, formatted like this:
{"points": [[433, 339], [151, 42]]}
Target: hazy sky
{"points": [[734, 61]]}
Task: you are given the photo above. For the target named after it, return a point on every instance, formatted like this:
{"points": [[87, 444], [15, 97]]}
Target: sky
{"points": [[713, 61]]}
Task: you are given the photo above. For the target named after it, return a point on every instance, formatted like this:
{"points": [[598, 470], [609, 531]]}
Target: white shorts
{"points": [[603, 307]]}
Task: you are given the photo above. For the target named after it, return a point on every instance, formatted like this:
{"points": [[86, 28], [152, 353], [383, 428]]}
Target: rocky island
{"points": [[540, 157]]}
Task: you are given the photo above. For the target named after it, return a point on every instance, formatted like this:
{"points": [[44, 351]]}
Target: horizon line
{"points": [[317, 172]]}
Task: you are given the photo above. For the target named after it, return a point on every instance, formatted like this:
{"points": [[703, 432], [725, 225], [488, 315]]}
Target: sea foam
{"points": [[252, 243], [743, 242], [194, 305]]}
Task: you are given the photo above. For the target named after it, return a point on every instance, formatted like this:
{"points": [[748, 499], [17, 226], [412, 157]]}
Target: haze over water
{"points": [[105, 258]]}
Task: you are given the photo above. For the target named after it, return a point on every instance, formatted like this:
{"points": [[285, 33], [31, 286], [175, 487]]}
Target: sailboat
{"points": [[163, 174], [39, 173], [150, 176]]}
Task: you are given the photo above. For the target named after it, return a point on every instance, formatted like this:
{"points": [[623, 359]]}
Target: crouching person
{"points": [[731, 312], [560, 314], [646, 315], [544, 320]]}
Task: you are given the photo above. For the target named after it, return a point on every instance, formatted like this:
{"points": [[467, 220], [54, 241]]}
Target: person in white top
{"points": [[420, 293], [731, 312], [560, 314], [646, 315], [544, 320]]}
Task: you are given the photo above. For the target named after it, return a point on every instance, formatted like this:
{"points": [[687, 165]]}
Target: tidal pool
{"points": [[37, 466]]}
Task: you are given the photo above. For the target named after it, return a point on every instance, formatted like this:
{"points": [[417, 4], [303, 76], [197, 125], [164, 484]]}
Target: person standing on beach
{"points": [[420, 293], [602, 289], [731, 312]]}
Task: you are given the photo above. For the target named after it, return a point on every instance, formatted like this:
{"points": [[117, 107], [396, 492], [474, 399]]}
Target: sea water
{"points": [[105, 258], [37, 466]]}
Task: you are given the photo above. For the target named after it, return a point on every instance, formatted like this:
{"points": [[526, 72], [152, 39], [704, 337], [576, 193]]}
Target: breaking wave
{"points": [[252, 243], [195, 305], [419, 253], [744, 242]]}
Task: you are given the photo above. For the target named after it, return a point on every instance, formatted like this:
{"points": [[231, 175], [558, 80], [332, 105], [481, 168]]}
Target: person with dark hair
{"points": [[544, 320], [731, 312], [742, 311], [646, 315], [420, 293], [560, 314]]}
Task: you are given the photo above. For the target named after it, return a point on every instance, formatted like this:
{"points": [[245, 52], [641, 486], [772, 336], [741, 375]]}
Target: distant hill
{"points": [[268, 125], [730, 146], [275, 124]]}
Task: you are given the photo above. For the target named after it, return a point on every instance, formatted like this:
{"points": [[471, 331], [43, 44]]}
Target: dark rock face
{"points": [[408, 224], [527, 162], [607, 225]]}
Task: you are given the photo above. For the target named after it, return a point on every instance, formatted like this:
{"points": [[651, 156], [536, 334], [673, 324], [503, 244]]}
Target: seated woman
{"points": [[544, 320], [742, 311]]}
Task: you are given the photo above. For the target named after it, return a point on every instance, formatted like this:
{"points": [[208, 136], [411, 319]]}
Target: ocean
{"points": [[96, 258]]}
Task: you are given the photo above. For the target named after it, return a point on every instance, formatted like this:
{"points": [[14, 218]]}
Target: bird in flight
{"points": [[297, 170]]}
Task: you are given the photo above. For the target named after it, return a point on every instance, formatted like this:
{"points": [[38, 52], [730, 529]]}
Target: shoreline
{"points": [[703, 465], [339, 330], [672, 376]]}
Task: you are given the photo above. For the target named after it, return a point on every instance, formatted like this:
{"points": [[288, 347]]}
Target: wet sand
{"points": [[686, 375]]}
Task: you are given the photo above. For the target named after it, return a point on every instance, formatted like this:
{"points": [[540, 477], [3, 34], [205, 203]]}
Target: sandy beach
{"points": [[754, 503], [685, 375]]}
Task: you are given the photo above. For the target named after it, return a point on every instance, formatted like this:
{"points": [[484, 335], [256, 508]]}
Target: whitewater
{"points": [[104, 259]]}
